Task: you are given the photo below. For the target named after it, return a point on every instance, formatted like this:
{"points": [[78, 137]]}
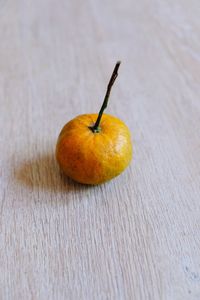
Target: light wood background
{"points": [[138, 236]]}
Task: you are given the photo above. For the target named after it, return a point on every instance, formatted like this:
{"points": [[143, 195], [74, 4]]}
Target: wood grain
{"points": [[138, 236]]}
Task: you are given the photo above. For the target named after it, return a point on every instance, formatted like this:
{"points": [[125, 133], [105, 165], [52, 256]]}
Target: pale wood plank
{"points": [[136, 237]]}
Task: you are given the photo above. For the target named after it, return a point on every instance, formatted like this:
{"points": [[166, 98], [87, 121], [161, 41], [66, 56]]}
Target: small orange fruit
{"points": [[94, 148]]}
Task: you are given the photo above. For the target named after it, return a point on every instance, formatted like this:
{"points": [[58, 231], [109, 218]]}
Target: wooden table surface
{"points": [[137, 236]]}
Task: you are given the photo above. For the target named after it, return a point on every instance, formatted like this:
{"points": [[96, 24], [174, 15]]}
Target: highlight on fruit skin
{"points": [[93, 158], [94, 148]]}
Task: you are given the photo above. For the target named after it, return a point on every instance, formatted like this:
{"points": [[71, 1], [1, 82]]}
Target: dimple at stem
{"points": [[96, 127]]}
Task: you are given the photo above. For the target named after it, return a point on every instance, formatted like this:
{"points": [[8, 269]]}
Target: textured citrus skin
{"points": [[93, 158]]}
